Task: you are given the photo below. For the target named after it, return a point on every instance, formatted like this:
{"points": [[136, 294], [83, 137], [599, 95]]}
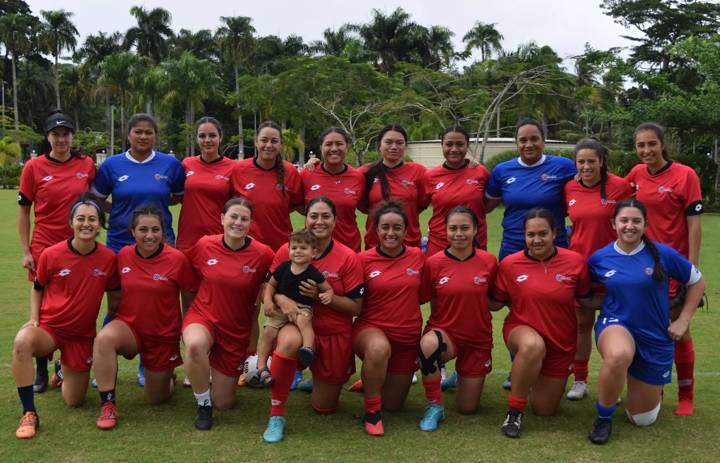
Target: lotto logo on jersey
{"points": [[88, 360], [98, 273], [412, 271], [478, 280], [649, 271], [510, 180], [248, 269], [664, 189], [315, 187], [174, 357], [125, 270], [158, 277], [212, 261], [160, 177], [47, 178], [699, 208], [81, 174], [521, 278], [374, 274], [122, 178], [546, 177], [189, 173], [571, 202], [488, 363], [610, 273], [249, 186], [439, 185], [443, 280], [64, 272], [560, 277]]}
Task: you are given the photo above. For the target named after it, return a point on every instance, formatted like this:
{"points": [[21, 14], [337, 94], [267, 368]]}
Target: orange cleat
{"points": [[373, 424], [684, 408], [357, 386], [29, 423], [108, 416]]}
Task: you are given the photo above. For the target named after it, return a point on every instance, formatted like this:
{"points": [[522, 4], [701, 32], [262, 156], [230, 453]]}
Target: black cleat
{"points": [[41, 383], [204, 419], [512, 423], [601, 431]]}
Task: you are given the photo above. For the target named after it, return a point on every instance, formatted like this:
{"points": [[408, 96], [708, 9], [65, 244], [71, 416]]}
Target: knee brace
{"points": [[645, 418], [432, 363]]}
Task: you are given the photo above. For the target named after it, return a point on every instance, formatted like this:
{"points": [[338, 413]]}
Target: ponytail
{"points": [[377, 170], [658, 270]]}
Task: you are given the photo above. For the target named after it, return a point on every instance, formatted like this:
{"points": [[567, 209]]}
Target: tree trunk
{"points": [[497, 123], [57, 79], [241, 152], [123, 132], [15, 103], [112, 130]]}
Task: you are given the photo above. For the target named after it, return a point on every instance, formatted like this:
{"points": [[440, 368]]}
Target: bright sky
{"points": [[565, 25]]}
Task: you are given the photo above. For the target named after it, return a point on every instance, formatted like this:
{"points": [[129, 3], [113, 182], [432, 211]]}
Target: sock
{"points": [[203, 399], [432, 390], [41, 369], [580, 367], [107, 396], [605, 413], [108, 318], [685, 367], [516, 404], [283, 371], [372, 404], [27, 398]]}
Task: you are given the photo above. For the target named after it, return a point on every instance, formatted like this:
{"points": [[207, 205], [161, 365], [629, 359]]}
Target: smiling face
{"points": [[301, 252], [391, 231], [530, 143], [236, 222], [333, 149], [539, 237], [148, 234], [60, 140], [454, 148], [392, 147], [588, 164], [629, 223], [208, 139], [649, 149], [85, 223], [142, 138], [320, 220], [460, 231], [268, 144]]}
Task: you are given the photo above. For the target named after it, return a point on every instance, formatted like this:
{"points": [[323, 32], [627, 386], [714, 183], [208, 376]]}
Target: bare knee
{"points": [[429, 344], [196, 350], [617, 359], [105, 343], [376, 351], [22, 346], [224, 403], [531, 348]]}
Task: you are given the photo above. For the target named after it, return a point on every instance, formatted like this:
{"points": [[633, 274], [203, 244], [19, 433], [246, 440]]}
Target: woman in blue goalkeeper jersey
{"points": [[634, 334]]}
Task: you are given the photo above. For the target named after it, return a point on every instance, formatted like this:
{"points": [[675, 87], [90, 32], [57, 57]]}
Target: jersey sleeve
{"points": [[693, 198], [499, 291], [187, 278], [113, 280], [423, 198], [26, 195], [193, 254], [177, 186], [568, 169], [92, 171], [42, 273], [427, 284], [103, 183], [494, 184], [353, 276], [582, 287], [677, 266], [281, 255], [294, 186]]}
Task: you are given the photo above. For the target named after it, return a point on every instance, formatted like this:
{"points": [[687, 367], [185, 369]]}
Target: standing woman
{"points": [[634, 333], [52, 183], [541, 285], [217, 326], [457, 282], [392, 177], [335, 179], [271, 184], [590, 200], [387, 331], [332, 323], [531, 180], [148, 320], [70, 279], [207, 185], [455, 183], [671, 192]]}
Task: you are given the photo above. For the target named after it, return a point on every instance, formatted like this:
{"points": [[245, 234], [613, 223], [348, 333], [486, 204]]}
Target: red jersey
{"points": [[207, 189], [53, 186], [458, 292], [271, 204], [591, 215], [345, 190], [393, 292], [342, 269], [542, 294], [407, 184], [73, 287], [231, 281], [670, 195], [448, 188], [150, 290]]}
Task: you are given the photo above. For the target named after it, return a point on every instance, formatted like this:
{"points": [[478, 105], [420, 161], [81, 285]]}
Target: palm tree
{"points": [[150, 37], [434, 46], [390, 37], [116, 73], [58, 34], [16, 31], [485, 37], [97, 47], [200, 44]]}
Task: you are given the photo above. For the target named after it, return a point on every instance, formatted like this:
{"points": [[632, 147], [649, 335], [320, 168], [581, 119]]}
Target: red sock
{"points": [[580, 367], [685, 366], [516, 404], [283, 370], [432, 390], [373, 404]]}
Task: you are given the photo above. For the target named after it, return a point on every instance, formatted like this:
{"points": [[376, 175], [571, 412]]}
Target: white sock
{"points": [[203, 399]]}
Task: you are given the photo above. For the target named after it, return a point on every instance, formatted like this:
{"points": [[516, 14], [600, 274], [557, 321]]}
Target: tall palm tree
{"points": [[390, 37], [484, 37], [200, 44], [150, 37], [58, 34], [433, 46], [116, 74], [97, 47], [16, 31]]}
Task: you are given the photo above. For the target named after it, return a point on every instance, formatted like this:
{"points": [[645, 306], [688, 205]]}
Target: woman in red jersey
{"points": [[207, 185], [392, 177], [332, 323], [671, 192], [540, 285], [271, 184], [333, 178], [148, 320], [456, 182], [387, 331], [49, 184], [590, 201], [457, 282], [71, 277], [218, 326]]}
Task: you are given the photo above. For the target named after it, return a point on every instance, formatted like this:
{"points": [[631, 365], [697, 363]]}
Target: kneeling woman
{"points": [[633, 332], [218, 326], [387, 332], [148, 320], [457, 282], [540, 285], [71, 277]]}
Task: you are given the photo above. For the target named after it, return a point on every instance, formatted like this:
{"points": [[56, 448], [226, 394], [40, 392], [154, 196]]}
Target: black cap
{"points": [[59, 120]]}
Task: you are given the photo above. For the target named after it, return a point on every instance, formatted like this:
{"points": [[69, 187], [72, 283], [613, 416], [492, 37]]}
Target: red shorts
{"points": [[556, 364], [228, 353], [403, 357], [471, 361], [333, 362], [75, 352], [157, 355]]}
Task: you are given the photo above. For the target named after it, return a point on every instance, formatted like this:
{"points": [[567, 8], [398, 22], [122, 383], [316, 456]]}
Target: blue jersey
{"points": [[521, 188], [133, 184]]}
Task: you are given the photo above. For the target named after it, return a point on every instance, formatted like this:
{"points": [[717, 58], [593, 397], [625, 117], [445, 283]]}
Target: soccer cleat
{"points": [[306, 385], [242, 381], [41, 383], [434, 414], [414, 378], [108, 416], [141, 374], [275, 430], [449, 382], [57, 378], [512, 423], [373, 424], [186, 382], [578, 391], [296, 379], [357, 386], [306, 355], [203, 418], [601, 431], [29, 423], [507, 384], [684, 408]]}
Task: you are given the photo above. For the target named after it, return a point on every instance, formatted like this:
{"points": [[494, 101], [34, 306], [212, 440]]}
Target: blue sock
{"points": [[27, 397], [605, 413]]}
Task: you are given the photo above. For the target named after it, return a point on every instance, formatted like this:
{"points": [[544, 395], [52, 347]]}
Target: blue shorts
{"points": [[652, 364]]}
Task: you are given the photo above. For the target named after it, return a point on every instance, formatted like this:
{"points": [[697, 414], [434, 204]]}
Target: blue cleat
{"points": [[297, 379], [275, 430], [141, 372], [434, 414], [449, 382], [305, 385]]}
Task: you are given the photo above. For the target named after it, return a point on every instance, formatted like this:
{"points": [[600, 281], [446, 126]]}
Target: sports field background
{"points": [[166, 432]]}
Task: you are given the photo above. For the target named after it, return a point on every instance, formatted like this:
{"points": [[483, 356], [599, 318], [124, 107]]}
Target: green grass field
{"points": [[166, 433]]}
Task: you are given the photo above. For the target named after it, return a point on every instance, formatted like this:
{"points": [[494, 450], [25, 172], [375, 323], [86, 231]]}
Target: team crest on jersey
{"points": [[122, 178], [64, 272], [412, 271], [472, 181], [249, 186], [478, 280], [571, 202], [349, 191], [649, 271], [160, 177], [439, 185], [664, 189], [560, 277], [222, 177], [327, 274], [374, 273], [443, 280], [521, 278], [81, 174], [47, 178], [248, 269], [610, 273], [98, 273], [158, 277], [546, 177], [510, 180], [189, 173], [125, 270], [315, 187], [212, 261], [406, 182]]}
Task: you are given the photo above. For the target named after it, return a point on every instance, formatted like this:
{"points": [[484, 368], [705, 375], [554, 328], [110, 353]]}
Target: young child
{"points": [[285, 280]]}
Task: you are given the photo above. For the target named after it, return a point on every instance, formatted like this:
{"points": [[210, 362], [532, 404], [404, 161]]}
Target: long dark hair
{"points": [[602, 154], [377, 170], [659, 131], [279, 164], [658, 271]]}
